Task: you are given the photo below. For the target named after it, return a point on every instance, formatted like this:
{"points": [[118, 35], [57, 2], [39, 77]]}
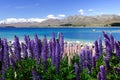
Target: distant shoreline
{"points": [[62, 27]]}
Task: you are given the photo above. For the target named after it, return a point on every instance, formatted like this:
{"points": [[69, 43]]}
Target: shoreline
{"points": [[61, 27]]}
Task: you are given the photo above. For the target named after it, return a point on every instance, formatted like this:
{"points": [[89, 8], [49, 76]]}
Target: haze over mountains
{"points": [[76, 20]]}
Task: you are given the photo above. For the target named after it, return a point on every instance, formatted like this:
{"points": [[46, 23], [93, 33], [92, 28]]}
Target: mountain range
{"points": [[71, 21]]}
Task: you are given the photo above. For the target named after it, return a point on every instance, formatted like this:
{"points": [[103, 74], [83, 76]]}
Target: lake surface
{"points": [[70, 34]]}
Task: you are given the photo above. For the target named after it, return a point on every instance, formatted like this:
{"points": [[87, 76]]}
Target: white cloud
{"points": [[15, 20], [90, 10], [81, 11], [51, 16], [61, 15], [35, 20]]}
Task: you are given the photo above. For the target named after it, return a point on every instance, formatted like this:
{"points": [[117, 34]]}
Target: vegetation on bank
{"points": [[115, 24], [83, 25]]}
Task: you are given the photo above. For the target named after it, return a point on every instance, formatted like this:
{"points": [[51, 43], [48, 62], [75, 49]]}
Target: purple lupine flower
{"points": [[50, 48], [112, 41], [102, 70], [117, 49], [88, 56], [37, 49], [85, 55], [106, 60], [106, 36], [35, 75], [1, 47], [82, 55], [31, 49], [17, 48], [53, 48], [76, 71], [53, 53], [61, 41], [26, 39], [99, 76], [6, 60], [40, 47], [42, 54], [117, 70], [2, 66], [44, 57], [93, 62], [1, 55], [24, 50], [100, 46], [88, 67], [1, 59], [45, 46], [82, 59], [96, 49], [108, 48], [45, 52], [57, 56]]}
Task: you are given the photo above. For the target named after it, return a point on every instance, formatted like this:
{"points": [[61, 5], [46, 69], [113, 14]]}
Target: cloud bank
{"points": [[21, 20]]}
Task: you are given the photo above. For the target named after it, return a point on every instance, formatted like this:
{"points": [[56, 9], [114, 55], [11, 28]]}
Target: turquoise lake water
{"points": [[70, 34]]}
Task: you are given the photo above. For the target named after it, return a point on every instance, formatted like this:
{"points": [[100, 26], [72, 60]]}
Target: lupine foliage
{"points": [[42, 60]]}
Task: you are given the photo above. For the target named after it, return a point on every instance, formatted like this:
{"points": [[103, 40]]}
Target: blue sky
{"points": [[54, 8]]}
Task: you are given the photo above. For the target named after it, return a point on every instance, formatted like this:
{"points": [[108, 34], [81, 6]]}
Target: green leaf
{"points": [[70, 76]]}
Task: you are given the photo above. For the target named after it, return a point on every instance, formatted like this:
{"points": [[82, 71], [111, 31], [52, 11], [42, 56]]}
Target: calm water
{"points": [[79, 34]]}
